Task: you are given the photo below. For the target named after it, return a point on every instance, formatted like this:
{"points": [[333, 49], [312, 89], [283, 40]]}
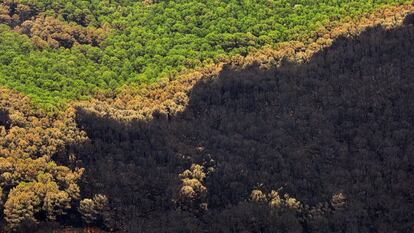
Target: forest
{"points": [[206, 116], [72, 50]]}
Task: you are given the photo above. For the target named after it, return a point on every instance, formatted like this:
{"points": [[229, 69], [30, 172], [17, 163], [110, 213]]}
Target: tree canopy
{"points": [[74, 49], [288, 116]]}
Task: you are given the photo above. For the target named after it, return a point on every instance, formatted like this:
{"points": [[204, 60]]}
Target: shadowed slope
{"points": [[4, 119], [341, 123]]}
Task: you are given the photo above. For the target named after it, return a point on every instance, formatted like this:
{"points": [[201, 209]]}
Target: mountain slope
{"points": [[335, 133]]}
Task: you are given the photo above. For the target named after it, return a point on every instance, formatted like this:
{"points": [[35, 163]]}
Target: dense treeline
{"points": [[321, 146], [46, 30], [171, 96], [33, 187], [113, 43], [283, 140], [84, 13]]}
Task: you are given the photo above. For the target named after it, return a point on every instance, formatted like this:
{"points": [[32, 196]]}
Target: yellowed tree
{"points": [[96, 210], [193, 192], [30, 181], [274, 200], [57, 33], [32, 186]]}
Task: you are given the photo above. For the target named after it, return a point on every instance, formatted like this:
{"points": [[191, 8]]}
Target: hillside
{"points": [[307, 130], [74, 49], [335, 133]]}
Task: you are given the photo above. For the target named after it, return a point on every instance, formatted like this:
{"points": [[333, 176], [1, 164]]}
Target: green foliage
{"points": [[92, 12], [150, 40]]}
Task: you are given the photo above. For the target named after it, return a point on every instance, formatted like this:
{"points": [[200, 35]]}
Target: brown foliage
{"points": [[48, 31], [55, 33], [329, 124], [169, 97], [31, 133], [31, 182], [334, 130], [14, 14]]}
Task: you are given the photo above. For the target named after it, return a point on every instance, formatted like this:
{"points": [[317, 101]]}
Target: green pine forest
{"points": [[144, 41]]}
